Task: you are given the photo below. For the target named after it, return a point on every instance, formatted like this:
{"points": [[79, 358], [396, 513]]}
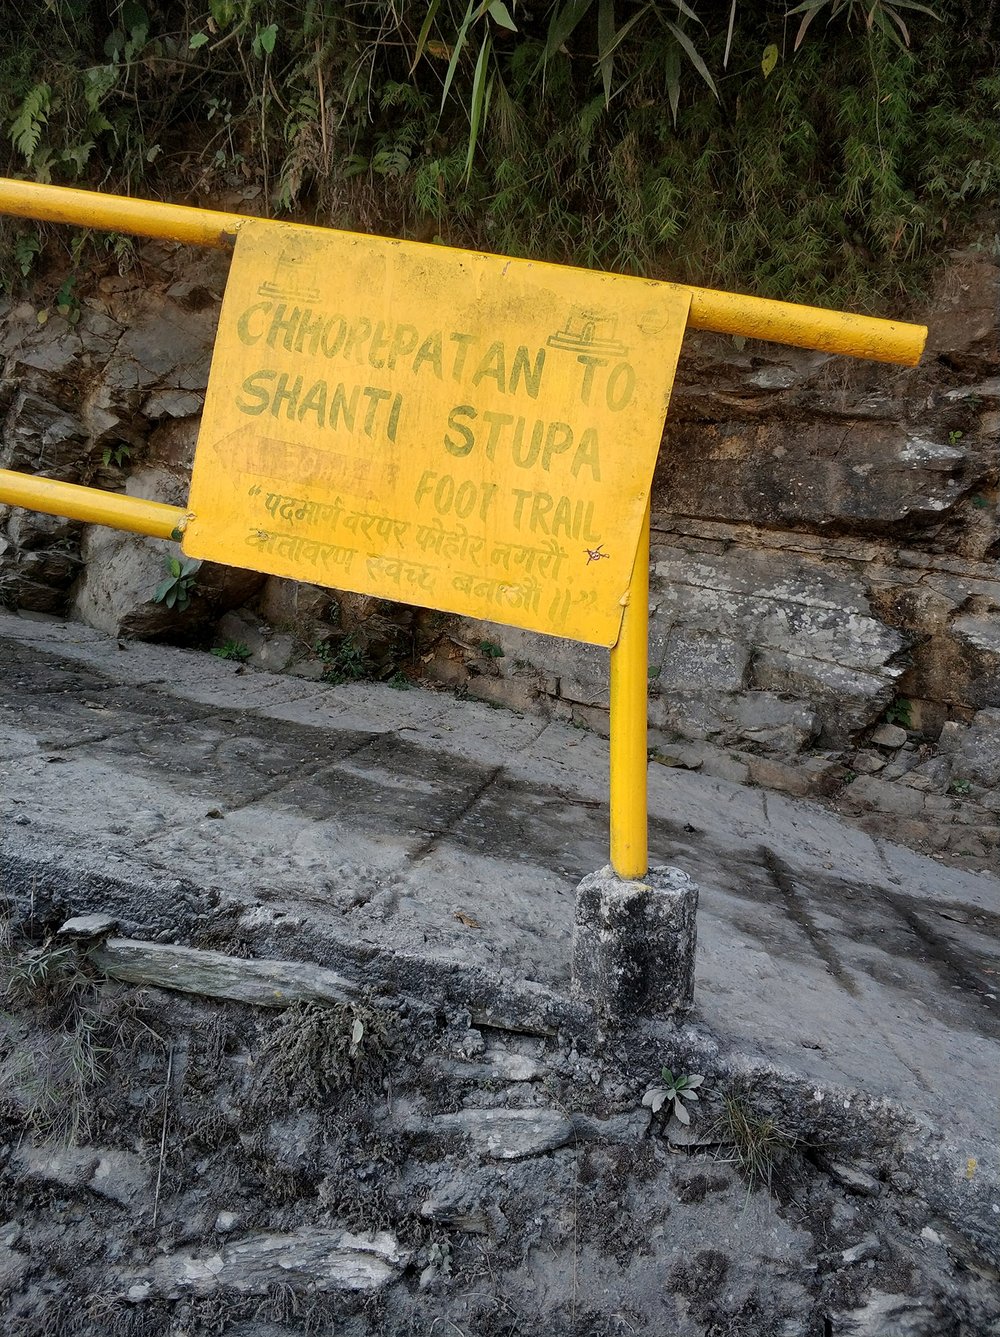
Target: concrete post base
{"points": [[634, 943]]}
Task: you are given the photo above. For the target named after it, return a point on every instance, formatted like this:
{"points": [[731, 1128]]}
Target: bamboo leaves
{"points": [[877, 15]]}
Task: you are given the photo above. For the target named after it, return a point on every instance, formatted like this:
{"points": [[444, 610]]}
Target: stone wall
{"points": [[825, 535], [110, 400]]}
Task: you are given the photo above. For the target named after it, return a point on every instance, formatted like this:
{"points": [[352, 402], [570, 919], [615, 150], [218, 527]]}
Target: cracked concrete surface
{"points": [[388, 833]]}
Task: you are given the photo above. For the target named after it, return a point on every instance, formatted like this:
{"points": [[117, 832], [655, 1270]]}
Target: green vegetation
{"points": [[118, 454], [347, 661], [755, 1140], [900, 712], [674, 1090], [816, 151], [176, 589], [235, 650]]}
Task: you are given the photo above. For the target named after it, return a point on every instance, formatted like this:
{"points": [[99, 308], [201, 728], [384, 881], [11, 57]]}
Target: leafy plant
{"points": [[347, 662], [674, 1091], [30, 120], [900, 712], [27, 248], [264, 40], [960, 787], [67, 302], [680, 139], [177, 588], [235, 650], [491, 650], [122, 250], [876, 15], [118, 453]]}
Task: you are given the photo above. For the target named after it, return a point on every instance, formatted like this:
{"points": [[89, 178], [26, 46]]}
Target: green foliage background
{"points": [[639, 137]]}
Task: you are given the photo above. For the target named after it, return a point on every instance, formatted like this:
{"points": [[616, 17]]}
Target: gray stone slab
{"points": [[436, 844]]}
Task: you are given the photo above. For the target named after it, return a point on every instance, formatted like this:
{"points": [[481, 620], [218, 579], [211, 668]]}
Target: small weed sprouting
{"points": [[674, 1091], [755, 1140], [57, 1080], [27, 248], [122, 249], [960, 787], [954, 437], [901, 713], [491, 650], [438, 1261], [66, 300], [235, 650], [176, 590], [118, 454], [399, 681], [42, 975], [347, 662]]}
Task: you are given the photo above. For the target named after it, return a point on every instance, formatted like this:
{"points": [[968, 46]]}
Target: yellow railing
{"points": [[91, 504], [721, 312], [724, 313]]}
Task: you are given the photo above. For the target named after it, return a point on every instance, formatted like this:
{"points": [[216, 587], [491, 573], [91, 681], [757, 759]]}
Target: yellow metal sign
{"points": [[455, 430]]}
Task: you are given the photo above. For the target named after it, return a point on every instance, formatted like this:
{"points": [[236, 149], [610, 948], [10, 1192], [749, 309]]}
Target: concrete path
{"points": [[437, 839]]}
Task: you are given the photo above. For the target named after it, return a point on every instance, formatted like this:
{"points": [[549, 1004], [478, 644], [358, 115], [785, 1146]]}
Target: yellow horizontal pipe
{"points": [[91, 504], [722, 312], [118, 213], [807, 326]]}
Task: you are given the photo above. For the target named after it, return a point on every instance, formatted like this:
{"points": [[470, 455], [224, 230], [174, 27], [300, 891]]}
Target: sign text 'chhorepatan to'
{"points": [[455, 430]]}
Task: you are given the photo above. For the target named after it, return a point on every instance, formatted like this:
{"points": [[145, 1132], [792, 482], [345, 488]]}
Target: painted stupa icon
{"points": [[587, 332], [292, 279]]}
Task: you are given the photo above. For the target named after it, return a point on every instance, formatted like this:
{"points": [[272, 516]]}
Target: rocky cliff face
{"points": [[825, 541], [825, 595]]}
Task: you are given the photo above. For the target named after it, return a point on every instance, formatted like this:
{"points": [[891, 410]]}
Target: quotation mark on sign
{"points": [[254, 491]]}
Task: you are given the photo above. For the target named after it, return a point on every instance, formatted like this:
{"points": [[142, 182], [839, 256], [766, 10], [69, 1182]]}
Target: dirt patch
{"points": [[177, 1167]]}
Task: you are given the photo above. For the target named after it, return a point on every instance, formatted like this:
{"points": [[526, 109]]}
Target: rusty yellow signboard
{"points": [[460, 431]]}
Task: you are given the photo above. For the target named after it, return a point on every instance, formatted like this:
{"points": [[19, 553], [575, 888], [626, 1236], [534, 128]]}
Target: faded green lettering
{"points": [[339, 408], [586, 454], [246, 335], [250, 387], [315, 402], [463, 447], [521, 369], [558, 439], [282, 393], [430, 351], [493, 365]]}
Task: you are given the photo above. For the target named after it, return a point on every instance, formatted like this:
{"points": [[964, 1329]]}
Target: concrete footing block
{"points": [[634, 943]]}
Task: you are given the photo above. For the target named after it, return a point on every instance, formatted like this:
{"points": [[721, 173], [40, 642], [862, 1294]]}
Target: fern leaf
{"points": [[31, 119]]}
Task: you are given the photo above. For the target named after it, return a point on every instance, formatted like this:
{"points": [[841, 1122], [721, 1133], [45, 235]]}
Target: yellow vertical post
{"points": [[629, 675]]}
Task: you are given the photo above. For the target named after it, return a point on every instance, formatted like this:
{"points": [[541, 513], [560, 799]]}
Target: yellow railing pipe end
{"points": [[92, 505]]}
